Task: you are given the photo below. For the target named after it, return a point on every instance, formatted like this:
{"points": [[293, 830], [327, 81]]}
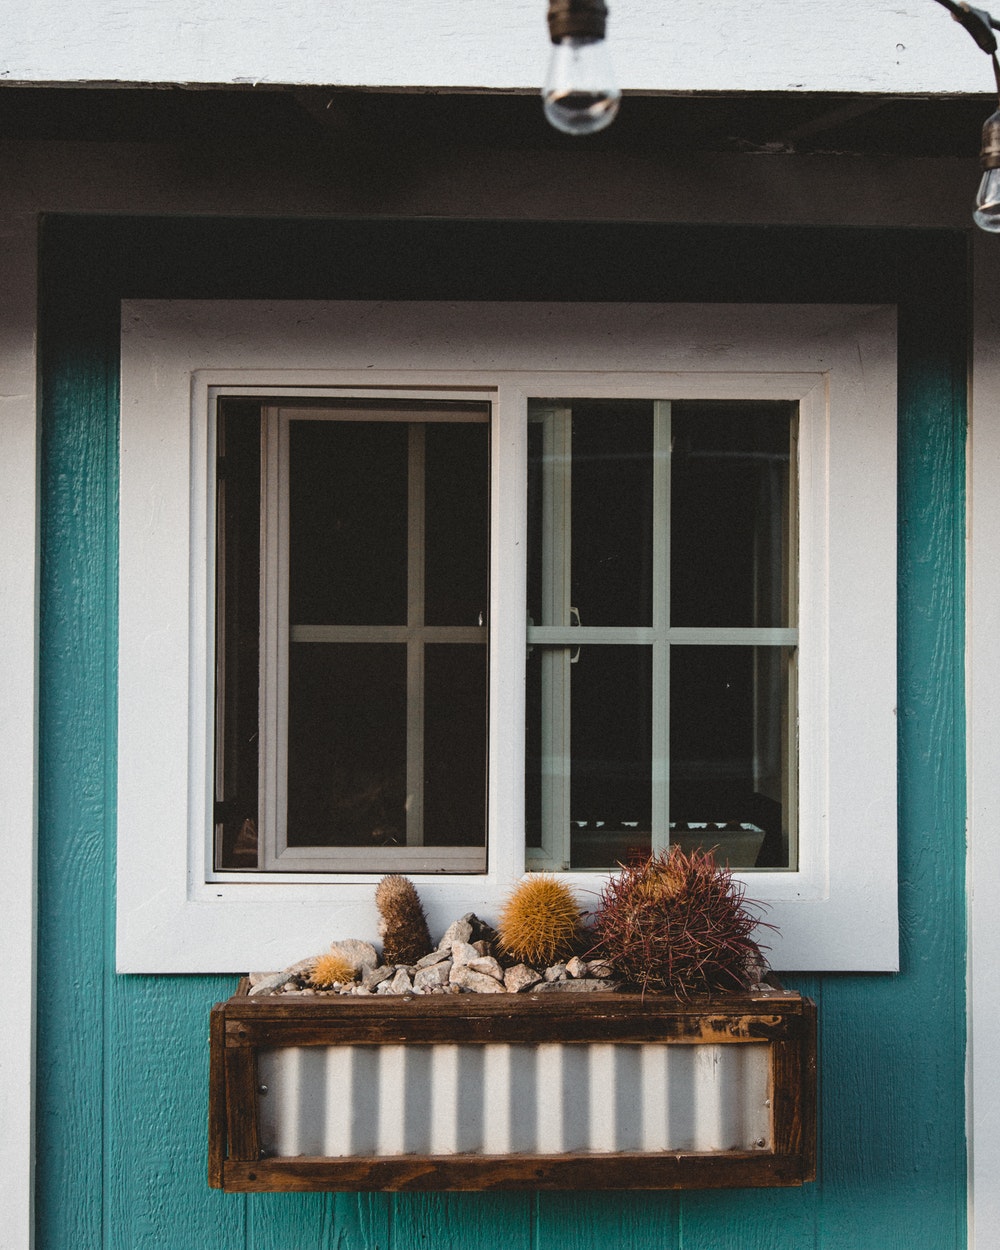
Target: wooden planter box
{"points": [[544, 1091]]}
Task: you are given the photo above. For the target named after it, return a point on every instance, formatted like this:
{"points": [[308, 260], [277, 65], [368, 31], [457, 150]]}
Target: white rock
{"points": [[433, 977], [457, 931], [269, 982], [575, 967], [519, 978], [463, 953], [376, 976], [362, 956], [435, 957], [569, 987], [478, 982], [401, 983], [487, 964], [556, 973]]}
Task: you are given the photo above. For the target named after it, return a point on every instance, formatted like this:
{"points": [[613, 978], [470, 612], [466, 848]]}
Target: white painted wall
{"points": [[686, 45]]}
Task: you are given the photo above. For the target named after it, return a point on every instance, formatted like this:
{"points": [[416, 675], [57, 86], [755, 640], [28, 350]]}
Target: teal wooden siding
{"points": [[122, 1062]]}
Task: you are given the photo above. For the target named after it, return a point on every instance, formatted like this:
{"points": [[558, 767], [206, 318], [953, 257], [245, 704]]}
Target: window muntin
{"points": [[370, 637], [661, 639]]}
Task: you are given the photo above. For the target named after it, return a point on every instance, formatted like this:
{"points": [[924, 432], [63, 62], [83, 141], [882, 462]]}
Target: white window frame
{"points": [[837, 911], [277, 633]]}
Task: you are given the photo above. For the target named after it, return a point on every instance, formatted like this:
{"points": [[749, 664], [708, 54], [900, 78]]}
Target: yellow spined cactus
{"points": [[540, 921], [330, 969]]}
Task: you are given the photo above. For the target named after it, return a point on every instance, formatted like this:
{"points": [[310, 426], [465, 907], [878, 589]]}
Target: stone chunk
{"points": [[433, 977], [477, 982], [269, 982], [362, 956], [557, 972], [376, 976], [401, 983], [457, 931], [463, 953], [520, 978], [576, 968], [435, 957], [487, 964], [582, 986]]}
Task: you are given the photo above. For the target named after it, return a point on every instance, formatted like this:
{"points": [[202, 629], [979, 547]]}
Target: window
{"points": [[661, 639], [465, 591], [351, 651]]}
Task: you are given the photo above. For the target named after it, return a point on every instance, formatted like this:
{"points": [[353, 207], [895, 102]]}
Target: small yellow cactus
{"points": [[329, 969], [540, 922]]}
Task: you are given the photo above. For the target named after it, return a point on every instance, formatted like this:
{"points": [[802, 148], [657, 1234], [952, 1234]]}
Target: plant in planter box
{"points": [[678, 924]]}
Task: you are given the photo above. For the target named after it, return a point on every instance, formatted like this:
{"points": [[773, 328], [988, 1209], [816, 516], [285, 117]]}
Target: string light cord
{"points": [[980, 26]]}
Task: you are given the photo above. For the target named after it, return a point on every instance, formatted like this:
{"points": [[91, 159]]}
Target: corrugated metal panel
{"points": [[496, 1099]]}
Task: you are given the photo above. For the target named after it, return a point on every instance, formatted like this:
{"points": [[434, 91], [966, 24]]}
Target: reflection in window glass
{"points": [[661, 631], [361, 619]]}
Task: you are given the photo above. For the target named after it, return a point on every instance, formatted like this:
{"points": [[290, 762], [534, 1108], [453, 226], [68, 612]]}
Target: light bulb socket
{"points": [[577, 19], [989, 156]]}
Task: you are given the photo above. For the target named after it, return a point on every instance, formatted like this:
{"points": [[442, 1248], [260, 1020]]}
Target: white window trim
{"points": [[838, 912]]}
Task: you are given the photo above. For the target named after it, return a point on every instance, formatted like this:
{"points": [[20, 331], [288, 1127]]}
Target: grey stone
{"points": [[362, 956], [270, 982], [477, 982], [520, 978], [487, 964], [582, 986], [576, 968], [457, 931], [401, 983], [600, 968], [556, 973], [433, 977], [463, 953], [376, 976], [435, 957]]}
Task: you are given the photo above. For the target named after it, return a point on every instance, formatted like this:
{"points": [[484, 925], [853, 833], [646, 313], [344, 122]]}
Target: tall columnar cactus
{"points": [[402, 924], [540, 922], [678, 923]]}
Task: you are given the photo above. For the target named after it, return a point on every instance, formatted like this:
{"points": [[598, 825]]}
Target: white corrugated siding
{"points": [[497, 1099]]}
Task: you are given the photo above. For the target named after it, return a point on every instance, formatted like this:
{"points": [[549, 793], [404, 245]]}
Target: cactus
{"points": [[678, 923], [330, 968], [540, 922], [402, 924]]}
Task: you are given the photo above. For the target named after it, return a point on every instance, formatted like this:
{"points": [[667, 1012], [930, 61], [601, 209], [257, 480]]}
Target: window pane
{"points": [[606, 779], [455, 745], [346, 744], [237, 568], [729, 523], [605, 450], [457, 522], [347, 522], [731, 777]]}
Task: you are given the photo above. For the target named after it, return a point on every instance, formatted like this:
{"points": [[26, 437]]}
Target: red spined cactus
{"points": [[679, 924]]}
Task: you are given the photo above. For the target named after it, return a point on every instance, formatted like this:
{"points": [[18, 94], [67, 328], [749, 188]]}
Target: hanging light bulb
{"points": [[580, 95], [987, 210]]}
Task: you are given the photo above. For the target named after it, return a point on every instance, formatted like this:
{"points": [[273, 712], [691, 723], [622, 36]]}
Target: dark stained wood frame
{"points": [[242, 1026]]}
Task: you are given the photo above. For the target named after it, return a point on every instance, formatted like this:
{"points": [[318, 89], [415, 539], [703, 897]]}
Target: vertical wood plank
{"points": [[590, 1221], [450, 1221], [318, 1222]]}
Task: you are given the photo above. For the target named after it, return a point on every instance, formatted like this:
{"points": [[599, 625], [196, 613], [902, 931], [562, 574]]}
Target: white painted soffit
{"points": [[871, 46]]}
